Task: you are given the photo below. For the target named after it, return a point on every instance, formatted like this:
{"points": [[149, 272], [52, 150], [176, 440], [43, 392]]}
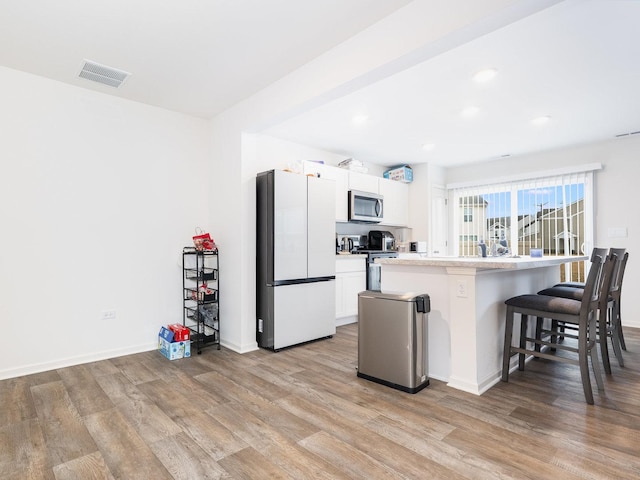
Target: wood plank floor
{"points": [[303, 414]]}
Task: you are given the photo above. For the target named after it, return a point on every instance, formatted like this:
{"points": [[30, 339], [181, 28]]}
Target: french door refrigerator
{"points": [[295, 266]]}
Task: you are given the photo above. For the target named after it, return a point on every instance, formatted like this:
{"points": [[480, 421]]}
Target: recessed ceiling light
{"points": [[485, 75], [541, 120], [360, 119], [469, 112], [428, 146]]}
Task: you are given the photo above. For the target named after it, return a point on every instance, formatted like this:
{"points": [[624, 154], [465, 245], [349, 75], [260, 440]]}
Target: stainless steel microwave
{"points": [[365, 207]]}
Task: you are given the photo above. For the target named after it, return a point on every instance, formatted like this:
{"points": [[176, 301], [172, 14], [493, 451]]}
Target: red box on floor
{"points": [[180, 332]]}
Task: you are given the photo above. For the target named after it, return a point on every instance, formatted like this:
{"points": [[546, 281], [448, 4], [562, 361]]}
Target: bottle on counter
{"points": [[482, 248]]}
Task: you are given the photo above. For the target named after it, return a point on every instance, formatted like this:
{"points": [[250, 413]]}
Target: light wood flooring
{"points": [[303, 414]]}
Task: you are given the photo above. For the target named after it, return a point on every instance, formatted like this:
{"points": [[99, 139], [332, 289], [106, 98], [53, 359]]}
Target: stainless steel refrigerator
{"points": [[295, 269]]}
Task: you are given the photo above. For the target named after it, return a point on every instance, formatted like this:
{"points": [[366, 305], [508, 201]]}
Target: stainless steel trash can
{"points": [[392, 339]]}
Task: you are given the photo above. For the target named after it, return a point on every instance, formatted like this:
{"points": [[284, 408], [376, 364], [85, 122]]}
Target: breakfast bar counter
{"points": [[466, 322]]}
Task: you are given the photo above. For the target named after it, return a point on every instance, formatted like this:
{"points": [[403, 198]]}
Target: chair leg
{"points": [[561, 330], [617, 347], [524, 322], [618, 318], [603, 334], [616, 328], [583, 361], [555, 338], [506, 354], [593, 353], [537, 347], [621, 339]]}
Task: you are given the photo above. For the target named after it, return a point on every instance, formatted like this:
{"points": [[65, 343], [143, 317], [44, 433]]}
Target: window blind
{"points": [[553, 213]]}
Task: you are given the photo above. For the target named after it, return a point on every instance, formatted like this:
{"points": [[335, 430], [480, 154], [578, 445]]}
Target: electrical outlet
{"points": [[461, 289], [108, 315]]}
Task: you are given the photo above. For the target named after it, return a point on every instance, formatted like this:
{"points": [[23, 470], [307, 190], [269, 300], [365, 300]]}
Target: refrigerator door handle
{"points": [[298, 281]]}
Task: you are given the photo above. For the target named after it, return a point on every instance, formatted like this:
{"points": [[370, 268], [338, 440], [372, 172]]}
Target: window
{"points": [[554, 213], [467, 238]]}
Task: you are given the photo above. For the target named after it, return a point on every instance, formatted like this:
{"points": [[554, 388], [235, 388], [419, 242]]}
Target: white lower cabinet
{"points": [[351, 279]]}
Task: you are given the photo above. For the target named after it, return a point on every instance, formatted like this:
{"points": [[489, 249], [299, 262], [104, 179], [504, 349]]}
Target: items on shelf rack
{"points": [[200, 294]]}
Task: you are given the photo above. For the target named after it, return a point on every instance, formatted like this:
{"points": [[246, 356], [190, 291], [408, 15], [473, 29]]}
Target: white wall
{"points": [[615, 187], [98, 196]]}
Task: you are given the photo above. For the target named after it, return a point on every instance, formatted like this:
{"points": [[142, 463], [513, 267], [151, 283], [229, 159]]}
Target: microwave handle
{"points": [[378, 207]]}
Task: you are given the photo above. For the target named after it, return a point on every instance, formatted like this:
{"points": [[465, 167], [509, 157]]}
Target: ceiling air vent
{"points": [[103, 74]]}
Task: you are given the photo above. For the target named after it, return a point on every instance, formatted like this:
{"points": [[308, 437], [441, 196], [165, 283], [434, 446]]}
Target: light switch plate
{"points": [[617, 232]]}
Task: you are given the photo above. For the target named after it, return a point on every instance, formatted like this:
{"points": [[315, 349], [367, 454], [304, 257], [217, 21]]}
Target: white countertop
{"points": [[489, 263]]}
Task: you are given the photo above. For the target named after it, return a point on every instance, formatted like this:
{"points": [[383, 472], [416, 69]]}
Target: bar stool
{"points": [[559, 327], [614, 326], [617, 297], [608, 315], [581, 313]]}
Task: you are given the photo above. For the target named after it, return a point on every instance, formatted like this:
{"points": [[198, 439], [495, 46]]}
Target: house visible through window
{"points": [[552, 213], [468, 214]]}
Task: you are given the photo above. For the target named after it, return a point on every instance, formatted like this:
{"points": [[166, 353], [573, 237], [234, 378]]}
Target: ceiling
{"points": [[575, 62], [193, 56]]}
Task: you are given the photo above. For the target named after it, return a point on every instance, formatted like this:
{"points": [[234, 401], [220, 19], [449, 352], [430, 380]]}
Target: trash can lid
{"points": [[389, 295]]}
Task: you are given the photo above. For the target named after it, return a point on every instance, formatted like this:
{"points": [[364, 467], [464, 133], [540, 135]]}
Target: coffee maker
{"points": [[382, 240]]}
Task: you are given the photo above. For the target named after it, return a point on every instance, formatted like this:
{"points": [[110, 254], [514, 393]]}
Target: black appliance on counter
{"points": [[382, 240]]}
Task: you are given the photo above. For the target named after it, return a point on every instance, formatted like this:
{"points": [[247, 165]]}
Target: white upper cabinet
{"points": [[363, 182], [396, 194], [341, 177], [396, 202]]}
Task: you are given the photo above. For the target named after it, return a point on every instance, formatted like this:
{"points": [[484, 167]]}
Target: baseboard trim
{"points": [[72, 361]]}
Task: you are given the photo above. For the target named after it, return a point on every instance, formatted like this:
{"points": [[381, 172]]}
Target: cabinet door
{"points": [[341, 177], [396, 202], [353, 284], [363, 182], [351, 279]]}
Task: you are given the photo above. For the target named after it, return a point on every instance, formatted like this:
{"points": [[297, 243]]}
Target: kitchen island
{"points": [[466, 322]]}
